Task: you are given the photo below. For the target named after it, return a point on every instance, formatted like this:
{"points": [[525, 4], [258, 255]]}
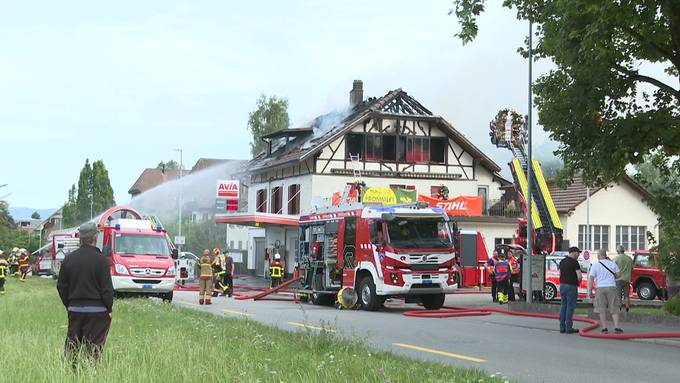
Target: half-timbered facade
{"points": [[391, 141]]}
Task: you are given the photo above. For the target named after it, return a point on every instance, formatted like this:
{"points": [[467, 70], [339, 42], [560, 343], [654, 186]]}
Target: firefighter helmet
{"points": [[277, 256], [14, 250], [216, 251]]}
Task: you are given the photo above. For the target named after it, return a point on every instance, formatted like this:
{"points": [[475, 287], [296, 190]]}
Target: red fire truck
{"points": [[380, 252], [140, 252]]}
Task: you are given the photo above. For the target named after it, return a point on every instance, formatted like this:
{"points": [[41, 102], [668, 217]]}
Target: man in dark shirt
{"points": [[86, 291], [570, 279]]}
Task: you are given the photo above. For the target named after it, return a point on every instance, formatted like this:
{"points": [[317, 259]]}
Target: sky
{"points": [[129, 81]]}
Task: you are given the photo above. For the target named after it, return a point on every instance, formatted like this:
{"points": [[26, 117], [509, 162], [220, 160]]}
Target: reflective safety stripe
{"points": [[276, 271]]}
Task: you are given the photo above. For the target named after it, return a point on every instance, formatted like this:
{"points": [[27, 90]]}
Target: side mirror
{"points": [[175, 253], [107, 251]]}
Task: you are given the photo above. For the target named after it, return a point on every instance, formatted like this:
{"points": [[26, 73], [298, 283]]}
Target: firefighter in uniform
{"points": [[228, 277], [14, 262], [23, 264], [4, 268], [502, 273], [205, 278], [218, 272], [276, 270]]}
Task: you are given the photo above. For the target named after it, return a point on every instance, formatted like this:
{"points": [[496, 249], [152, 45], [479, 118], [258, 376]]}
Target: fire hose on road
{"points": [[262, 293], [456, 312]]}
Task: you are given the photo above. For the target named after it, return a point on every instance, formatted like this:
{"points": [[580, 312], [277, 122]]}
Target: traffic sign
{"points": [[179, 240]]}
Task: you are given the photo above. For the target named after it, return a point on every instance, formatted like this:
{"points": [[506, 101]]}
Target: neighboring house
{"points": [[619, 215], [34, 226], [53, 222], [391, 141], [150, 178]]}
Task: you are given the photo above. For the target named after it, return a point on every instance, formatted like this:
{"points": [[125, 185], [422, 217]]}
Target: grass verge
{"points": [[151, 341]]}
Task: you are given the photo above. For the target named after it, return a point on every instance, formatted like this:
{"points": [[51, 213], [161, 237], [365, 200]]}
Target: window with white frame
{"points": [[598, 239], [631, 237]]}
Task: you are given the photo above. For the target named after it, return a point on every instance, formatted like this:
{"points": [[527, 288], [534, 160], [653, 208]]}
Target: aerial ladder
{"points": [[508, 130]]}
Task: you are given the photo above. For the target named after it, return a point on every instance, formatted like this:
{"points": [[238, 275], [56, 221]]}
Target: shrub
{"points": [[673, 305]]}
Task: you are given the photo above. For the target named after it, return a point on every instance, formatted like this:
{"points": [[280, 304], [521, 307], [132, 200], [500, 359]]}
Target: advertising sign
{"points": [[227, 195], [385, 196], [465, 206]]}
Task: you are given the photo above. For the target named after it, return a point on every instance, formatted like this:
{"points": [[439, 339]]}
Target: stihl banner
{"points": [[466, 206]]}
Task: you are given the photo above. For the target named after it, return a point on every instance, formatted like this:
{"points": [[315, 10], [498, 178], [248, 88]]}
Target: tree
{"points": [[271, 115], [599, 103], [102, 192], [70, 210], [661, 177], [170, 165], [93, 195], [84, 193], [35, 215]]}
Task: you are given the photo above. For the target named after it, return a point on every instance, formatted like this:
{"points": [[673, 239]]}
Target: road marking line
{"points": [[438, 352], [305, 325], [188, 303], [237, 312]]}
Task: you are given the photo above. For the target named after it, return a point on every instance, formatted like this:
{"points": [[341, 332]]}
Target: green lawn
{"points": [[635, 309], [155, 342]]}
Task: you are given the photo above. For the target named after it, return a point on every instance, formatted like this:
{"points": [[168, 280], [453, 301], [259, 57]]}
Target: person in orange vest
{"points": [[205, 278], [276, 270], [502, 272], [23, 264]]}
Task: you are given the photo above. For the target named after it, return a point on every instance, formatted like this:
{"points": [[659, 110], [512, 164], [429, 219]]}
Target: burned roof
{"points": [[326, 128], [576, 193]]}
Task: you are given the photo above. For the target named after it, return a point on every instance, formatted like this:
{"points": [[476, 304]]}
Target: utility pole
{"points": [[530, 229], [181, 165], [91, 205]]}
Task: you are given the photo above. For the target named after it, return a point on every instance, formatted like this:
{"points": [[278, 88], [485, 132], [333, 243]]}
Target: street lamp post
{"points": [[527, 267], [179, 247]]}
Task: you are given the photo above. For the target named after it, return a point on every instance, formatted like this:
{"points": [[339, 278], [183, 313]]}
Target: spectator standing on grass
{"points": [[625, 264], [604, 273], [570, 279], [86, 291]]}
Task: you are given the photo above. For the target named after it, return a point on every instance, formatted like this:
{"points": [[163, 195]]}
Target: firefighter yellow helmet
{"points": [[216, 251]]}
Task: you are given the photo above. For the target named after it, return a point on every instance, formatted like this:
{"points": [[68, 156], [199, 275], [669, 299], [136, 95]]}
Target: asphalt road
{"points": [[524, 349]]}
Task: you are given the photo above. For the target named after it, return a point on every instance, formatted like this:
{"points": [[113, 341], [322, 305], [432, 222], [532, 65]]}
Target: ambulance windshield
{"points": [[419, 232], [142, 245]]}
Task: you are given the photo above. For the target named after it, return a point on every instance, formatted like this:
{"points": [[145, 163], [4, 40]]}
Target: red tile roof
{"points": [[567, 199], [150, 178]]}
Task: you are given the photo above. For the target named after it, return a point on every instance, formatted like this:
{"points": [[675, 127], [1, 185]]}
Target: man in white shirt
{"points": [[604, 273]]}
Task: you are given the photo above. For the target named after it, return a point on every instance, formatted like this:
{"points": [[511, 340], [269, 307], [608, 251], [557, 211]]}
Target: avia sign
{"points": [[227, 195], [465, 206]]}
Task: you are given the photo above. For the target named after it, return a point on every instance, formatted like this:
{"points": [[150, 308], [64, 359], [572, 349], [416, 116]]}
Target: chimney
{"points": [[356, 95]]}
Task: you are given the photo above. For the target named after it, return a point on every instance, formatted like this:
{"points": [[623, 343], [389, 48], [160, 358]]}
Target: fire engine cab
{"points": [[380, 252], [141, 254]]}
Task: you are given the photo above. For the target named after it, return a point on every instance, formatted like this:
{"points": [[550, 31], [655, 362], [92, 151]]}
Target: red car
{"points": [[551, 288], [647, 278]]}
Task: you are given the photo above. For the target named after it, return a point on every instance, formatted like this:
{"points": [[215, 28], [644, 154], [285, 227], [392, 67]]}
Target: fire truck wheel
{"points": [[320, 299], [368, 298], [433, 301], [646, 291], [549, 292], [167, 297]]}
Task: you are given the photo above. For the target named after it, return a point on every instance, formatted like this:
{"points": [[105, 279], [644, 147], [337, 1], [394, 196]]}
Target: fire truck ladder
{"points": [[543, 213], [356, 166]]}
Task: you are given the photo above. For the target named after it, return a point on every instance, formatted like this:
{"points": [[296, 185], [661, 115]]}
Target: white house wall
{"points": [[490, 231], [619, 205]]}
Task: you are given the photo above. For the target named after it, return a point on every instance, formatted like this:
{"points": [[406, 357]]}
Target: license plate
{"points": [[147, 286], [427, 281]]}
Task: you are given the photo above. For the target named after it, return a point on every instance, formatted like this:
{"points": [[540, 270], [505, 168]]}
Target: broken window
{"points": [[389, 145], [355, 145], [418, 150], [373, 148], [438, 149]]}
